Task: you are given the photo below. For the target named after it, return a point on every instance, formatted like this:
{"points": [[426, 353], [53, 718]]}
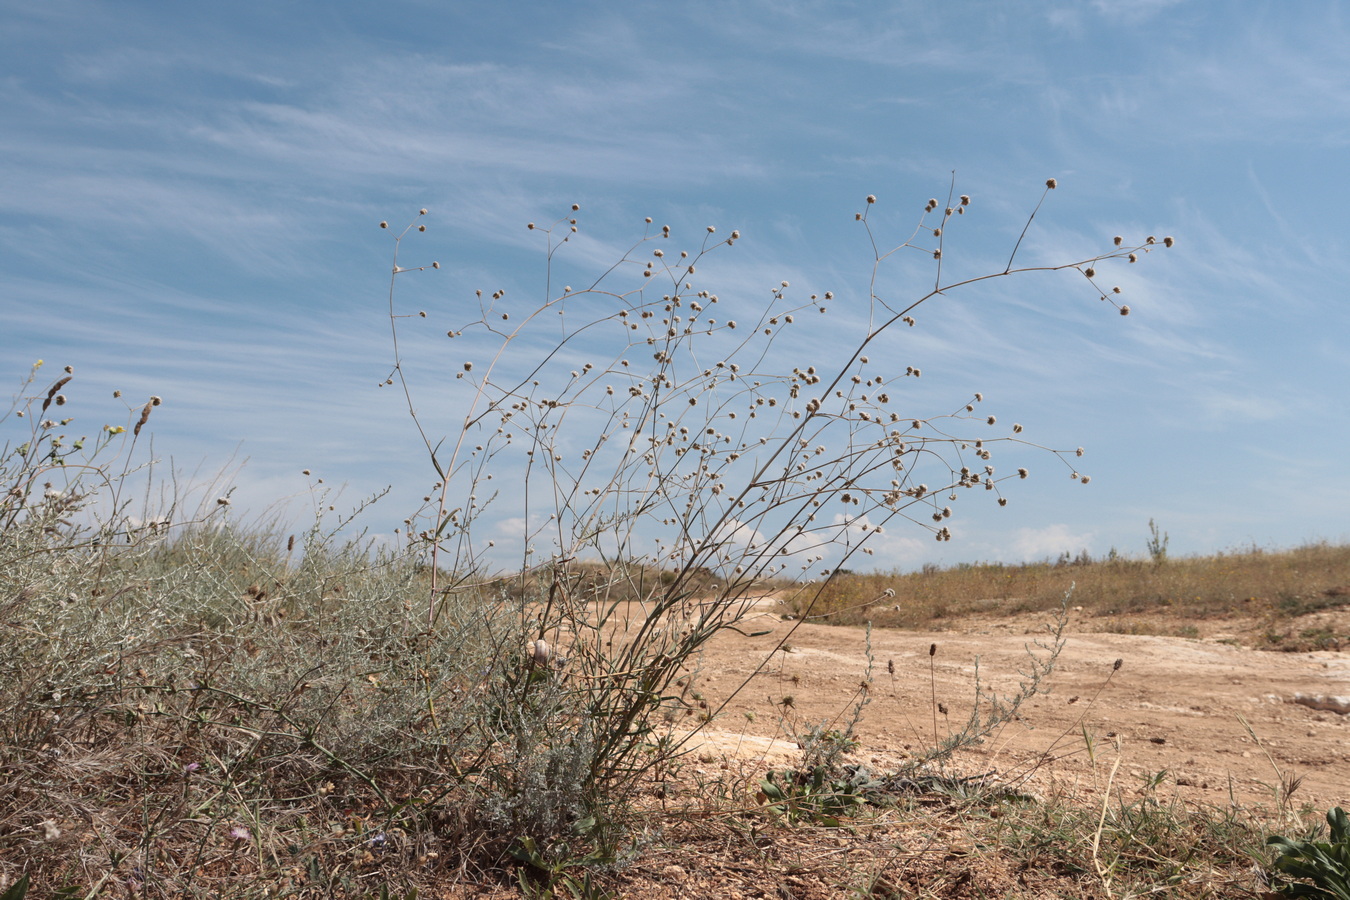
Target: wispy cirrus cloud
{"points": [[192, 197]]}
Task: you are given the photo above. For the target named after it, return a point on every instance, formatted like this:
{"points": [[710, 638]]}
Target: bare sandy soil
{"points": [[1168, 723], [1173, 710]]}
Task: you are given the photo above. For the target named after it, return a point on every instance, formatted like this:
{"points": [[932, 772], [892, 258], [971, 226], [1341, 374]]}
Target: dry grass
{"points": [[1266, 588], [945, 842]]}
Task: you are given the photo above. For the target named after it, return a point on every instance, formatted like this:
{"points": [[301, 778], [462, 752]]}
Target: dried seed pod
{"points": [[51, 394], [145, 417]]}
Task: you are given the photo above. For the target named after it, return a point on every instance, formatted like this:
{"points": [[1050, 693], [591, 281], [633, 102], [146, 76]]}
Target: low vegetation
{"points": [[216, 715], [194, 705], [1265, 593]]}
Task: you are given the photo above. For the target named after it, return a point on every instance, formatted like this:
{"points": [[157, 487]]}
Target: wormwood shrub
{"points": [[642, 422], [186, 700]]}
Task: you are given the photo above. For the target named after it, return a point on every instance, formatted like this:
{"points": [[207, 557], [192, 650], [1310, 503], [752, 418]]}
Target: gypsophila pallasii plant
{"points": [[645, 422]]}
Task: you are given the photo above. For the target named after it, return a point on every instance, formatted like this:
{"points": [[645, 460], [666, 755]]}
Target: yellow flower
{"points": [[114, 429]]}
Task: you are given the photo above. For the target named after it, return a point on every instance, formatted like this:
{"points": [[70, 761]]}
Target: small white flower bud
{"points": [[539, 651]]}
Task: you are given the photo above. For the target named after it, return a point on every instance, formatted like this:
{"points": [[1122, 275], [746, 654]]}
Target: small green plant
{"points": [[1322, 868], [16, 891], [1157, 544], [547, 871], [815, 795], [832, 741]]}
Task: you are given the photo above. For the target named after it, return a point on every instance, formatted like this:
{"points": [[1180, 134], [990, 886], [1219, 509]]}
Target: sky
{"points": [[192, 195]]}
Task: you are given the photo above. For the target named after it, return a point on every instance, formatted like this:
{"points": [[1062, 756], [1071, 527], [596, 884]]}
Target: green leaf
{"points": [[17, 890], [1326, 864]]}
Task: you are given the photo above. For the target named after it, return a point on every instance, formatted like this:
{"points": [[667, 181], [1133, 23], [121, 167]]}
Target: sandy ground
{"points": [[1173, 711]]}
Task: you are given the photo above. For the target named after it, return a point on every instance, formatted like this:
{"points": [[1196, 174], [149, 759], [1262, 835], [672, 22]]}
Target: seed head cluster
{"points": [[726, 440]]}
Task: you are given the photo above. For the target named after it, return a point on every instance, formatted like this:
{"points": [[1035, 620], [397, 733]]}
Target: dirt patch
{"points": [[1175, 708]]}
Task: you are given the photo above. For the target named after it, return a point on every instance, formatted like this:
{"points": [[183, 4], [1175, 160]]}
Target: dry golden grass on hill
{"points": [[1264, 589]]}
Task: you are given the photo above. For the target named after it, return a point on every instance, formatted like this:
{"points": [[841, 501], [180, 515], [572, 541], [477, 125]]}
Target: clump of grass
{"points": [[1135, 841], [942, 835]]}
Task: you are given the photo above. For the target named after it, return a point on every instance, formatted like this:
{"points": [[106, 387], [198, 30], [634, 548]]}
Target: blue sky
{"points": [[191, 194]]}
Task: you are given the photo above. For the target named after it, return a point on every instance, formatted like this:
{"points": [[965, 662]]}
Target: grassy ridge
{"points": [[1274, 588]]}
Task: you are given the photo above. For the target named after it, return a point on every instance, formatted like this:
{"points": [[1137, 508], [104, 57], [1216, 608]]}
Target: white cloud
{"points": [[1133, 11], [1031, 544]]}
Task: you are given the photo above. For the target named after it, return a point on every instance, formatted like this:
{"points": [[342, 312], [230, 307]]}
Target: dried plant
{"points": [[188, 702], [644, 423]]}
